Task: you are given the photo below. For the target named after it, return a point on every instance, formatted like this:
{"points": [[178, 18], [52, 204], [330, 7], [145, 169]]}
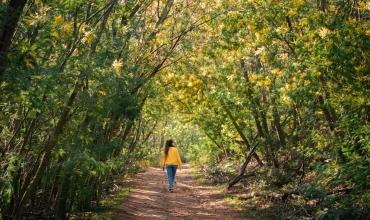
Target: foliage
{"points": [[90, 90], [78, 76], [288, 77]]}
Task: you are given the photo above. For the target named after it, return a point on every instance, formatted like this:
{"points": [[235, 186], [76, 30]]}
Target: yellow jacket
{"points": [[173, 157]]}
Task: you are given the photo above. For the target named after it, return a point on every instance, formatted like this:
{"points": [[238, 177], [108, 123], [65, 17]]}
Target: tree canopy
{"points": [[92, 89]]}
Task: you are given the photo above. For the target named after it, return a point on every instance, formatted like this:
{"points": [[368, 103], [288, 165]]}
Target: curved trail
{"points": [[149, 199]]}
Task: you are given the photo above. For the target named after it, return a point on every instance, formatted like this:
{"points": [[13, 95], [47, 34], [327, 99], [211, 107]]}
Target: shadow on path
{"points": [[149, 199]]}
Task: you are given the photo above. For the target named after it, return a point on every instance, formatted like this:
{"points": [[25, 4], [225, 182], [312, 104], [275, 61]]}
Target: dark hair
{"points": [[169, 143]]}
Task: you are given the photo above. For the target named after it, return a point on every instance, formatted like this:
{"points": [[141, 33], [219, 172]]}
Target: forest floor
{"points": [[149, 198]]}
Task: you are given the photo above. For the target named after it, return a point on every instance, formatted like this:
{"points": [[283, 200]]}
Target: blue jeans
{"points": [[171, 172]]}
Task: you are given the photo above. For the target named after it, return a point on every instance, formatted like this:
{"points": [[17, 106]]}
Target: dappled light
{"points": [[267, 100], [189, 199]]}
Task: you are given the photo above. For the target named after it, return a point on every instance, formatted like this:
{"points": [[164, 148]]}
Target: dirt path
{"points": [[149, 199]]}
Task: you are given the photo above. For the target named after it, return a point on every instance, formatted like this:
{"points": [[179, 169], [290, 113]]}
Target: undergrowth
{"points": [[106, 209], [116, 195], [265, 207], [271, 195]]}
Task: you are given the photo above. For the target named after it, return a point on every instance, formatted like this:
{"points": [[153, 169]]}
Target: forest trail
{"points": [[149, 199]]}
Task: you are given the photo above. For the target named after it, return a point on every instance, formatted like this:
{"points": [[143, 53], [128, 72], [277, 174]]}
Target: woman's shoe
{"points": [[170, 190]]}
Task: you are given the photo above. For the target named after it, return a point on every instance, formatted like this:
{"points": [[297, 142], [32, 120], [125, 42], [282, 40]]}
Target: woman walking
{"points": [[172, 161]]}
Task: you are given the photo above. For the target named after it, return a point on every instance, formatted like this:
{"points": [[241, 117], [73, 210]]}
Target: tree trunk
{"points": [[327, 114], [135, 139], [240, 132], [243, 167], [63, 196], [100, 32], [47, 155], [8, 25]]}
